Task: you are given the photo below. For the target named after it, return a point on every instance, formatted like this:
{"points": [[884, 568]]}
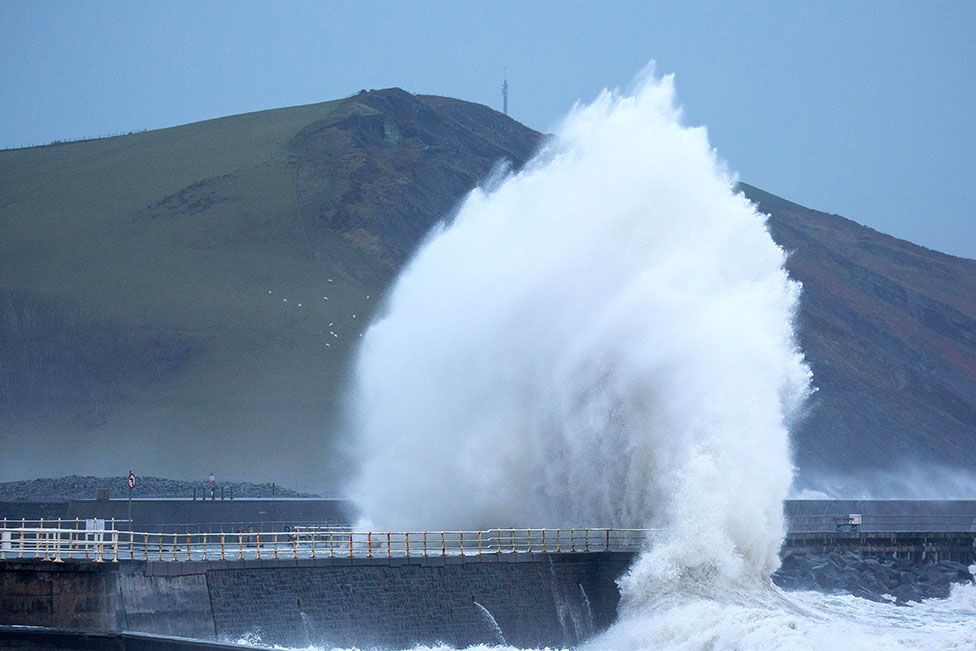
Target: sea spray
{"points": [[602, 338], [492, 622], [605, 338]]}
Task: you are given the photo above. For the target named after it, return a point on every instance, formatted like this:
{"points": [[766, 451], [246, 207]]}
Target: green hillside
{"points": [[188, 299]]}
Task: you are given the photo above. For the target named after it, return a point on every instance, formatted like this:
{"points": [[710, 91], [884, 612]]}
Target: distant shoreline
{"points": [[75, 487]]}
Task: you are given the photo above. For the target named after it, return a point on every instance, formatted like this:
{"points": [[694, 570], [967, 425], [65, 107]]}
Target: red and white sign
{"points": [[131, 480]]}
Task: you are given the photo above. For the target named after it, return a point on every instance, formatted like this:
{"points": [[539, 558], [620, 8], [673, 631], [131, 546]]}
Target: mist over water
{"points": [[604, 338], [911, 481]]}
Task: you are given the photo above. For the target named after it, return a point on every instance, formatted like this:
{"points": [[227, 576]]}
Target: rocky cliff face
{"points": [[889, 329], [189, 299], [386, 166]]}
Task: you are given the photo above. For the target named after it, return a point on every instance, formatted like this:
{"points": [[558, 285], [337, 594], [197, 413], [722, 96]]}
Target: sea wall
{"points": [[104, 597], [47, 639], [188, 515], [529, 600]]}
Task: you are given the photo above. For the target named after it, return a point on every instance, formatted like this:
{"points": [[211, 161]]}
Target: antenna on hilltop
{"points": [[505, 93]]}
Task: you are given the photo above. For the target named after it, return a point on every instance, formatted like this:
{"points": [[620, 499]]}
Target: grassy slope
{"points": [[137, 325], [137, 331], [201, 277]]}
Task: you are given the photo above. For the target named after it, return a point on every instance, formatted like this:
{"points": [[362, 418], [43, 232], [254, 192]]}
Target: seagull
{"points": [[299, 305], [330, 325], [284, 300], [269, 291], [354, 316], [325, 298], [330, 280]]}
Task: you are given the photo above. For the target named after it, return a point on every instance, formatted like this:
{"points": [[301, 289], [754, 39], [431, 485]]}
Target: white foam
{"points": [[605, 339]]}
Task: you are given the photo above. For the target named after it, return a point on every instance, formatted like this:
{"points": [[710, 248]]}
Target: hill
{"points": [[189, 299], [889, 329]]}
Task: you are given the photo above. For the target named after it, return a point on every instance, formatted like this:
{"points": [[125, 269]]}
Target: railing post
{"points": [[406, 544], [608, 540], [57, 544], [425, 544], [189, 546], [389, 546], [257, 544], [350, 544], [294, 544], [479, 543], [274, 544], [544, 541], [369, 544], [443, 545], [461, 534], [115, 543], [586, 540], [557, 540], [240, 545]]}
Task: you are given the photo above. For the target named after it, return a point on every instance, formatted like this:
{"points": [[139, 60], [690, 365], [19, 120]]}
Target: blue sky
{"points": [[865, 109]]}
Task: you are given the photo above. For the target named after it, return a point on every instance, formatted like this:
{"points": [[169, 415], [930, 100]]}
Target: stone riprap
{"points": [[877, 579]]}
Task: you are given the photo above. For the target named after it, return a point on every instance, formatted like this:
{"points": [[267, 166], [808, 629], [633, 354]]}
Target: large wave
{"points": [[604, 338]]}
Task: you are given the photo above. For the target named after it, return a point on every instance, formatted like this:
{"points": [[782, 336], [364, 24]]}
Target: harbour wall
{"points": [[527, 600], [188, 514]]}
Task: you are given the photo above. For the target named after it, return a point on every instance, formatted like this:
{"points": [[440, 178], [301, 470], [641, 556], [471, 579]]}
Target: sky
{"points": [[864, 109]]}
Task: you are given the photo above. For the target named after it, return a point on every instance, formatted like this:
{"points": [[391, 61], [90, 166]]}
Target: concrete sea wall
{"points": [[525, 599], [188, 515]]}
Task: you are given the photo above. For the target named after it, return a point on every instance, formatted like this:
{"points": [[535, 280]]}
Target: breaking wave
{"points": [[604, 338]]}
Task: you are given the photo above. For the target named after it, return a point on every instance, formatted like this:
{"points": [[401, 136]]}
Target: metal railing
{"points": [[106, 540], [59, 544], [881, 523]]}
